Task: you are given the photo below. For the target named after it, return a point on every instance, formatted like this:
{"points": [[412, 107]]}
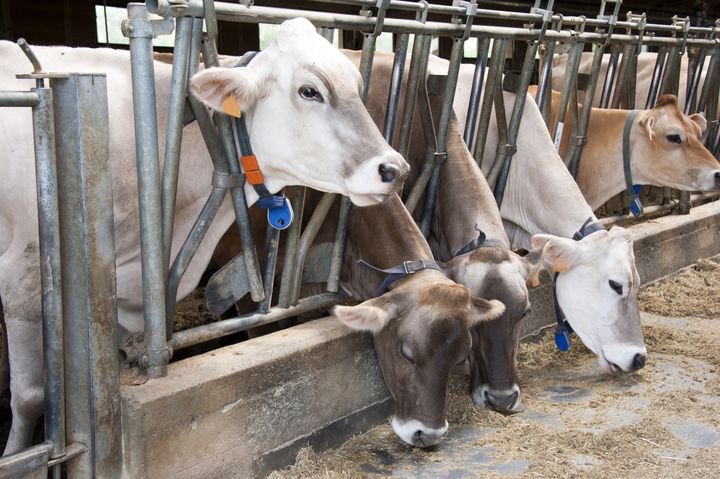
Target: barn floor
{"points": [[576, 421]]}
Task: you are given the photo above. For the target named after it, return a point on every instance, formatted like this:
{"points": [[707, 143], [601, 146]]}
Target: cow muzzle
{"points": [[377, 179], [416, 433], [504, 401]]}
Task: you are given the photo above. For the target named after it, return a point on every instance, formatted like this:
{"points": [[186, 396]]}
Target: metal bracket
{"points": [[439, 157], [422, 14], [641, 21], [144, 28], [382, 6], [155, 357], [509, 149], [470, 12], [611, 19], [685, 23], [228, 180]]}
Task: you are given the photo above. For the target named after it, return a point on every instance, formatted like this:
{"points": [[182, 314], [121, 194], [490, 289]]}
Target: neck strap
{"points": [[633, 191], [400, 271]]}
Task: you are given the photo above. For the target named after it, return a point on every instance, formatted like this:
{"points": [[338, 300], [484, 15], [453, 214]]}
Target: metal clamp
{"points": [[422, 14], [510, 149], [470, 12], [155, 357], [641, 22], [382, 6], [140, 26], [685, 24], [228, 180], [440, 157]]}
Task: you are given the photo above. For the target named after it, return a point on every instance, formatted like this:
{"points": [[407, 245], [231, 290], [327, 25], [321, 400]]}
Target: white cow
{"points": [[645, 67], [599, 284], [307, 126]]}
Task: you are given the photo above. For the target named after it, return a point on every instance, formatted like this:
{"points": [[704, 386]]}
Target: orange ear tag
{"points": [[231, 106]]}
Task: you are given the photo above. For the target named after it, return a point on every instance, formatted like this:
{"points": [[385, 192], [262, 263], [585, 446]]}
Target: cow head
{"points": [[421, 331], [667, 149], [307, 123], [597, 290], [496, 272]]}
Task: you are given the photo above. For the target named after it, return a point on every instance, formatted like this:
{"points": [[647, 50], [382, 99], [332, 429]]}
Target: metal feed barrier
{"points": [[82, 409]]}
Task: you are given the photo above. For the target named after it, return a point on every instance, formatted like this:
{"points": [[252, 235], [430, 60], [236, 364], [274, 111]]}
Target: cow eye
{"points": [[406, 352], [674, 139], [310, 93], [617, 287]]}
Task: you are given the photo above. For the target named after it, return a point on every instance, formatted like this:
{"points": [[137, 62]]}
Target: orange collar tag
{"points": [[231, 106]]}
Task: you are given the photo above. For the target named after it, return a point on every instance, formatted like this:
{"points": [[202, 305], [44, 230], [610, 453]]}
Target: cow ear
{"points": [[647, 121], [700, 121], [372, 315], [561, 253], [484, 310], [229, 90]]}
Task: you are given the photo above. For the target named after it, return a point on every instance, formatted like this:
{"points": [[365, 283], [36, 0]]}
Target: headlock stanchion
{"points": [[82, 406]]}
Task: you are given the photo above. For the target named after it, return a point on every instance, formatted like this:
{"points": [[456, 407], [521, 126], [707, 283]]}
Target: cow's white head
{"points": [[421, 330], [597, 290], [667, 149], [306, 121]]}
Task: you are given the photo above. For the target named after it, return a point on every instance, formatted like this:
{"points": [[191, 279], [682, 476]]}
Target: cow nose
{"points": [[421, 438], [388, 172], [717, 179], [638, 361], [502, 401]]}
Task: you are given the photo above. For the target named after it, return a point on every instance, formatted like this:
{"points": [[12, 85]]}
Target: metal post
{"points": [[297, 198], [393, 103], [50, 280], [176, 110], [333, 284], [92, 382], [140, 33], [494, 81], [476, 92], [416, 75], [610, 75], [657, 75]]}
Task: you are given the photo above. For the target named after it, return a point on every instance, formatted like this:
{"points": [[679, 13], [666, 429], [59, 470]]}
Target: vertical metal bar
{"points": [[148, 174], [494, 81], [50, 279], [568, 82], [545, 83], [609, 75], [657, 75], [92, 382], [176, 110], [456, 55], [694, 84], [272, 240], [624, 71], [416, 75], [393, 102], [297, 198], [338, 251], [306, 241], [516, 118], [476, 91]]}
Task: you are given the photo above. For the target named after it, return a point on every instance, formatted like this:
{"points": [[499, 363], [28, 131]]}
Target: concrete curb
{"points": [[246, 409]]}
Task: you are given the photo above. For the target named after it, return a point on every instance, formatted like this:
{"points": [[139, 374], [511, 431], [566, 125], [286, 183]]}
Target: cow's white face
{"points": [[667, 149], [597, 290], [306, 120]]}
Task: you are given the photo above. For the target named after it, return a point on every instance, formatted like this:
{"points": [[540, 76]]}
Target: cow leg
{"points": [[20, 293]]}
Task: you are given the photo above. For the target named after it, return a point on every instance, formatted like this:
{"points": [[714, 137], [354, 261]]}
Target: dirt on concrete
{"points": [[576, 421]]}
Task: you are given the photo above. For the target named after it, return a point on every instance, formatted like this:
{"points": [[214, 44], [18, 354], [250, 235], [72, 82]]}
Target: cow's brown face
{"points": [[495, 272], [667, 149], [421, 331]]}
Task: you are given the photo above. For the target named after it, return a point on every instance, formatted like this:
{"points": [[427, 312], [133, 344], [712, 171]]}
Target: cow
{"points": [[464, 206], [336, 147], [665, 148], [645, 67], [421, 321], [598, 283]]}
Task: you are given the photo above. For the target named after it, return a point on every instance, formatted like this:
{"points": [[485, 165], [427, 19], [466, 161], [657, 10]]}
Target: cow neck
{"points": [[563, 330], [383, 236], [465, 204], [279, 210], [603, 177]]}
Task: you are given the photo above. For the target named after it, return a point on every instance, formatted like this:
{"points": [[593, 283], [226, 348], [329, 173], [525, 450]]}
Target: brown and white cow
{"points": [[421, 326], [464, 205], [336, 147], [666, 149], [599, 283]]}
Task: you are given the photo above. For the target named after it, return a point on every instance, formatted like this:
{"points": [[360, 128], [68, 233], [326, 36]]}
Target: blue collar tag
{"points": [[562, 338], [280, 217], [636, 206]]}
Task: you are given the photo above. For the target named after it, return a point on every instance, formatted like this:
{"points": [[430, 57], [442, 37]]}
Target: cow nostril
{"points": [[639, 361], [388, 172]]}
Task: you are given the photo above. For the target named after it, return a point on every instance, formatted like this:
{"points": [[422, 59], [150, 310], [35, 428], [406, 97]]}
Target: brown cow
{"points": [[464, 203], [666, 149]]}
